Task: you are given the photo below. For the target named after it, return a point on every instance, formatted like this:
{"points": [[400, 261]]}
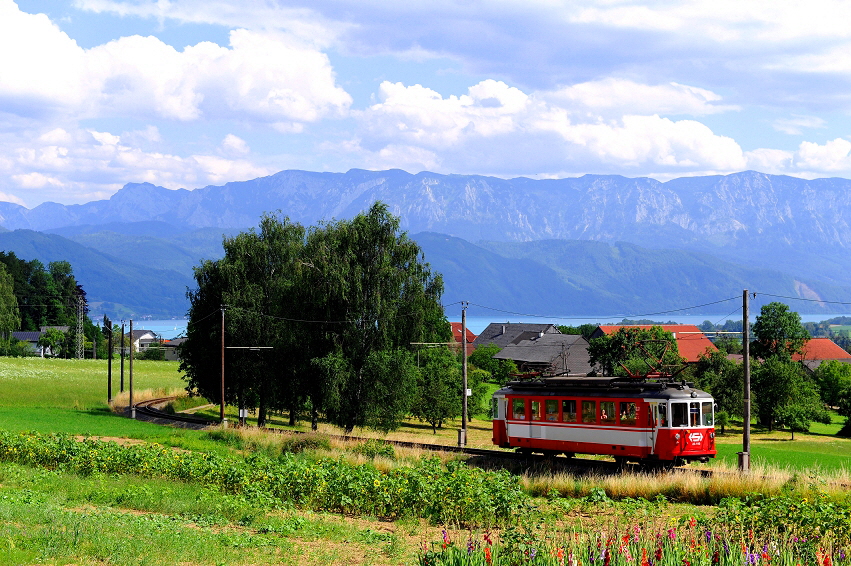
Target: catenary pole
{"points": [[745, 455], [222, 404], [462, 441], [121, 347], [132, 408]]}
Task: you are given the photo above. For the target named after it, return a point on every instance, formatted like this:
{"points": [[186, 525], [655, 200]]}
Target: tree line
{"points": [[341, 320], [33, 296]]}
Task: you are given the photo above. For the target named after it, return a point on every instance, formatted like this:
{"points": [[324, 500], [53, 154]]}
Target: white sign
{"points": [[695, 437], [469, 393]]}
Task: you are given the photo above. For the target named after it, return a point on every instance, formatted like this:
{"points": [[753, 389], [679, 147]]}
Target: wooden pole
{"points": [[745, 455], [132, 408], [464, 416], [222, 418], [109, 364], [121, 355]]}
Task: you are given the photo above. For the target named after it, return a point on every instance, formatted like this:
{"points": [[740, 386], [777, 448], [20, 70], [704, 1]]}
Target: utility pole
{"points": [[745, 454], [462, 435], [107, 325], [222, 418], [132, 408], [121, 355]]}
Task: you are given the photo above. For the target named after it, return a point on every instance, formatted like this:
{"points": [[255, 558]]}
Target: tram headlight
{"points": [[677, 436], [711, 435]]}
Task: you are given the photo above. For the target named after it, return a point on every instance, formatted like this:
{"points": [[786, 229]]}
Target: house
{"points": [[456, 334], [504, 333], [142, 339], [691, 341], [818, 350], [551, 354], [30, 338], [172, 348]]}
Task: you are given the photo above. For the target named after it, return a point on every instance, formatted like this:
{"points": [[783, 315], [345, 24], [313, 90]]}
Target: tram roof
{"points": [[605, 386]]}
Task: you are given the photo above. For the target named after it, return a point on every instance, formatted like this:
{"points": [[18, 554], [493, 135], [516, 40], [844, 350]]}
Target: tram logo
{"points": [[695, 437]]}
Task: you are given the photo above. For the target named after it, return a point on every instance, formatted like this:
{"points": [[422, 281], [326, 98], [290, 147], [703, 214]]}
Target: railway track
{"points": [[557, 463]]}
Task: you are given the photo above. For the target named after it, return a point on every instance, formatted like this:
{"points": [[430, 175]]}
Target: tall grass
{"points": [[687, 486]]}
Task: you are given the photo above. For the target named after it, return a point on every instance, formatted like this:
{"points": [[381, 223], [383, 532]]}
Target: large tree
{"points": [[10, 316], [371, 285], [778, 332], [340, 304], [784, 394]]}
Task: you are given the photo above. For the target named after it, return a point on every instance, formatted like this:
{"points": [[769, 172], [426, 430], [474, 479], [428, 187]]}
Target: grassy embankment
{"points": [[49, 515]]}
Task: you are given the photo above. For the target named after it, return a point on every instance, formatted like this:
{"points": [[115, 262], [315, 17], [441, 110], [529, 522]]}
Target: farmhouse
{"points": [[818, 350], [456, 335], [551, 354], [504, 333]]}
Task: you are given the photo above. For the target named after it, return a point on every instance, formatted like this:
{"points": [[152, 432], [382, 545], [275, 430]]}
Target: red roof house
{"points": [[818, 350], [691, 341], [456, 334]]}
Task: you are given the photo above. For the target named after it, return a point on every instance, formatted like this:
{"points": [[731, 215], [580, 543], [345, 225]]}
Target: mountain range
{"points": [[595, 244]]}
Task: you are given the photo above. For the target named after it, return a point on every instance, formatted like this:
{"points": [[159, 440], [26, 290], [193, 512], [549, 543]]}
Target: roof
{"points": [[817, 349], [558, 353], [27, 336], [139, 333], [456, 334], [504, 333], [691, 341]]}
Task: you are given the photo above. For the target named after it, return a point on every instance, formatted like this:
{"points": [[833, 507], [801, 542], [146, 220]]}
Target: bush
{"points": [[153, 353], [375, 447]]}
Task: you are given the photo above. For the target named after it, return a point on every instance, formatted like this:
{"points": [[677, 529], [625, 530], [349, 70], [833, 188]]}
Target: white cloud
{"points": [[796, 124], [235, 145], [628, 97], [833, 156], [76, 165], [263, 76], [496, 124]]}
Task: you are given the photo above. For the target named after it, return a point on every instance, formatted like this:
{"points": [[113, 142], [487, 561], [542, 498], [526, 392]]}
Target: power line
{"points": [[606, 316], [803, 299]]}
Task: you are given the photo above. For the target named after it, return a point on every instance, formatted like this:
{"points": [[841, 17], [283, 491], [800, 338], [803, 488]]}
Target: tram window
{"points": [[627, 413], [518, 409], [589, 411], [694, 414], [663, 415], [607, 412], [679, 414], [494, 408], [708, 417], [568, 410], [551, 409], [536, 411]]}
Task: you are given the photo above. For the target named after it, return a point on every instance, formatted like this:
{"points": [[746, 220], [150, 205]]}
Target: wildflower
{"points": [[716, 558], [445, 539], [487, 538], [469, 546], [708, 535], [560, 555], [644, 561], [636, 530], [692, 522], [533, 553], [672, 533], [488, 555]]}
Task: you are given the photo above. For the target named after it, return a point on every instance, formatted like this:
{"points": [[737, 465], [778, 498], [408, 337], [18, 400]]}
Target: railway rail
{"points": [[582, 465]]}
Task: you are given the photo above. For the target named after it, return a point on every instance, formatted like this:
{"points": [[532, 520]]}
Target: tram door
{"points": [[655, 420]]}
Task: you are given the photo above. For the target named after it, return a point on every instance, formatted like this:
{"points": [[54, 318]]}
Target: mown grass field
{"points": [[55, 516]]}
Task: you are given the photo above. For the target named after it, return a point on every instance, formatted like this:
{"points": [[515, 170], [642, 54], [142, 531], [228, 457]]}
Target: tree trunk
{"points": [[261, 411], [292, 414], [314, 418]]}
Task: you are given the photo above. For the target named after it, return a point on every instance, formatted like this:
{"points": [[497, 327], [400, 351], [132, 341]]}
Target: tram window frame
{"points": [[703, 413], [515, 403], [694, 414], [536, 408], [662, 415], [607, 413], [628, 413], [679, 420], [589, 411], [568, 416], [551, 416]]}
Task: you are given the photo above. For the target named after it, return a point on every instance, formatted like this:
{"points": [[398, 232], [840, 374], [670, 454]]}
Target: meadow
{"points": [[136, 492]]}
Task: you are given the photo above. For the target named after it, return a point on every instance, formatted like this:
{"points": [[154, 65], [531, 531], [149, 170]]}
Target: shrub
{"points": [[376, 447]]}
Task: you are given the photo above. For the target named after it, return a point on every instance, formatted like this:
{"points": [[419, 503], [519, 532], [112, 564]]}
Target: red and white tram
{"points": [[651, 422]]}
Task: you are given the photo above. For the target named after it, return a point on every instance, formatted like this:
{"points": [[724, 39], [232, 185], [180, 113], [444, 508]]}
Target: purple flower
{"points": [[532, 553], [708, 537]]}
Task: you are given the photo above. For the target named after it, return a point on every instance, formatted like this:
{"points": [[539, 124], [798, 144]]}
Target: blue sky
{"points": [[187, 93]]}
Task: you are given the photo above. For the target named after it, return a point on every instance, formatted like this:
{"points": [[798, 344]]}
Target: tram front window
{"points": [[679, 415], [707, 416]]}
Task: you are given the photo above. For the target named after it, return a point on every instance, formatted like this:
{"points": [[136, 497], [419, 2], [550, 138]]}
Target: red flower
{"points": [[487, 555]]}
